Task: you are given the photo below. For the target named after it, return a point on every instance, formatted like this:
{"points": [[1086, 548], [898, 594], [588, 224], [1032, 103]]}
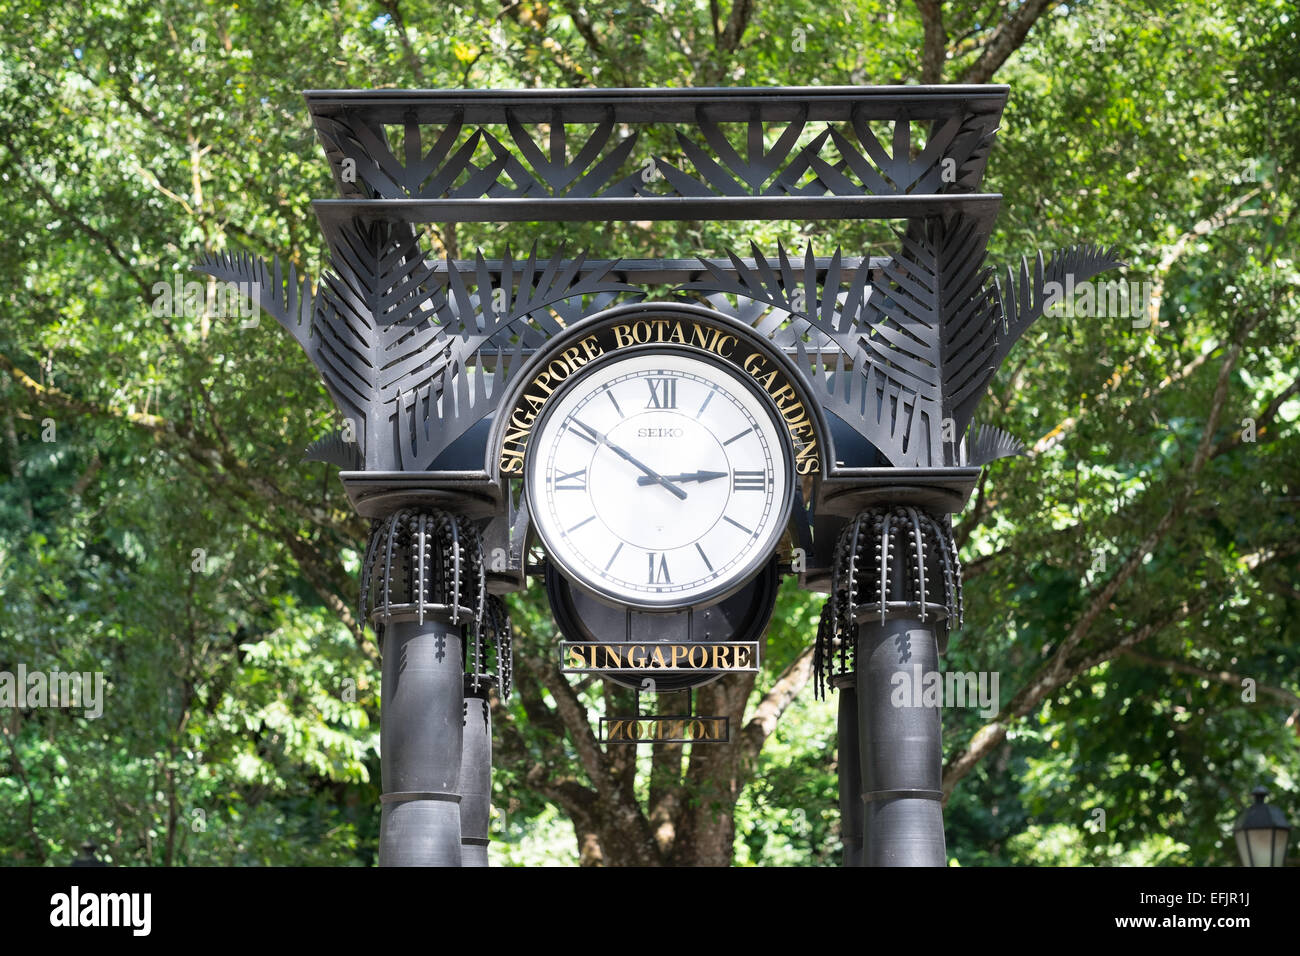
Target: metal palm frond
{"points": [[376, 336], [335, 449], [287, 300], [910, 359], [795, 292], [986, 443], [1015, 307], [430, 419]]}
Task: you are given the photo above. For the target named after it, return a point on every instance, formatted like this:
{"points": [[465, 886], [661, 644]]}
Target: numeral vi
{"points": [[658, 569]]}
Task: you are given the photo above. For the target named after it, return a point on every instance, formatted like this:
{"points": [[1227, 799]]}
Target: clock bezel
{"points": [[759, 556]]}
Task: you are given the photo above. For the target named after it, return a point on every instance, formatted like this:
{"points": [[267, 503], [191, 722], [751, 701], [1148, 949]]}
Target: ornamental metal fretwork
{"points": [[415, 352], [462, 146], [892, 355]]}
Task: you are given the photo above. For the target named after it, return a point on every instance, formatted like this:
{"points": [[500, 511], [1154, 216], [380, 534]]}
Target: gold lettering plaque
{"points": [[559, 364], [654, 729], [599, 657]]}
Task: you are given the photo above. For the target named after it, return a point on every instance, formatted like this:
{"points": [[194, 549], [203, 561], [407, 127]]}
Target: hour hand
{"points": [[654, 477], [685, 476]]}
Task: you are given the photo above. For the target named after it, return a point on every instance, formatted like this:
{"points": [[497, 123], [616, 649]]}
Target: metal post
{"points": [[896, 589], [423, 578], [420, 743], [901, 751], [850, 772], [475, 785]]}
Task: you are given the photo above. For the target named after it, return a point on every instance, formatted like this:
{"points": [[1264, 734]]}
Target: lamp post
{"points": [[1262, 833], [88, 857]]}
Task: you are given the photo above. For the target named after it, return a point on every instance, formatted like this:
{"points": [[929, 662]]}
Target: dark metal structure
{"points": [[1262, 833], [887, 359]]}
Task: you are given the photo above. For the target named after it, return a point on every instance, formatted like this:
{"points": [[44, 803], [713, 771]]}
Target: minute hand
{"points": [[654, 476], [686, 476]]}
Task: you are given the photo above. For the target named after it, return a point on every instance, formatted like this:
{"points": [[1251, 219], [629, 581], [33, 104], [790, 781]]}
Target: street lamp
{"points": [[1262, 833], [88, 857]]}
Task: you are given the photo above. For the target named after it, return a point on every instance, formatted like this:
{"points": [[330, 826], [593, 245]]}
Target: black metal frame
{"points": [[893, 353]]}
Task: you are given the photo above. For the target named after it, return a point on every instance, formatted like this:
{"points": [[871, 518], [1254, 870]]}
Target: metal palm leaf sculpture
{"points": [[906, 357], [368, 329], [407, 352]]}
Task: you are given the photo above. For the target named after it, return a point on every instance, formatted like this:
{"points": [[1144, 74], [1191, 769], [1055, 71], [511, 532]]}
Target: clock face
{"points": [[659, 479]]}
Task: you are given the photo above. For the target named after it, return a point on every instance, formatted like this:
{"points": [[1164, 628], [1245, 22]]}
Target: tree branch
{"points": [[573, 713], [1222, 676], [27, 786], [775, 701], [1006, 39], [1047, 680], [935, 50], [411, 59]]}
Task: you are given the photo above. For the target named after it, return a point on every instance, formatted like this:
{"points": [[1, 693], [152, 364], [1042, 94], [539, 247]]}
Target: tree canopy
{"points": [[1134, 579]]}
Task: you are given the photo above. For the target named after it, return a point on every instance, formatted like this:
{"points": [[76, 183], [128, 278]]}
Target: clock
{"points": [[659, 478]]}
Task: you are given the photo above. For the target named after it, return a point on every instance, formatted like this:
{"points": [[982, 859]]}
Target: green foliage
{"points": [[240, 723]]}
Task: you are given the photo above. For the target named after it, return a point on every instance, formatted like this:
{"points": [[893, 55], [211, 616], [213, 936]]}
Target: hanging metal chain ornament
{"points": [[488, 666]]}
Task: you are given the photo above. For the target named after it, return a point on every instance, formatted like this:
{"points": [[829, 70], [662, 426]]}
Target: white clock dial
{"points": [[659, 479]]}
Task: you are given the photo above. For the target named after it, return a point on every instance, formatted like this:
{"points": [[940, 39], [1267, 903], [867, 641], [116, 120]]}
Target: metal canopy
{"points": [[418, 353], [557, 146], [642, 105], [335, 213]]}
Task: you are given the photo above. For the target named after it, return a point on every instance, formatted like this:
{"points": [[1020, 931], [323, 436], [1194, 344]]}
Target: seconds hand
{"points": [[654, 476]]}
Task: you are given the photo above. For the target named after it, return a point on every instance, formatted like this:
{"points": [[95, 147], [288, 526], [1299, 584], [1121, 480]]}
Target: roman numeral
{"points": [[580, 524], [659, 573], [704, 557], [663, 392], [609, 564], [578, 429], [577, 481], [749, 481]]}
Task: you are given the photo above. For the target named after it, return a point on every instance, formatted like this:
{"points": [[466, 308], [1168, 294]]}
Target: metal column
{"points": [[901, 748], [850, 772], [422, 580], [420, 744], [475, 785], [895, 590]]}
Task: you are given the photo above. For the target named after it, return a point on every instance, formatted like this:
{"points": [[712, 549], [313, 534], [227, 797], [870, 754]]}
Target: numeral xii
{"points": [[663, 392]]}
